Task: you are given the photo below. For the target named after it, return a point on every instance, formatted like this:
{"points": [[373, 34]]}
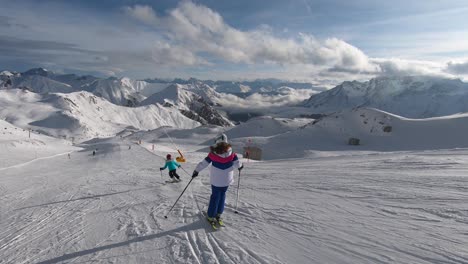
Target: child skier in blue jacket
{"points": [[172, 165]]}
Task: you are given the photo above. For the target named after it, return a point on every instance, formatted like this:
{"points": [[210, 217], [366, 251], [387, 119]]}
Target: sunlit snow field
{"points": [[382, 207]]}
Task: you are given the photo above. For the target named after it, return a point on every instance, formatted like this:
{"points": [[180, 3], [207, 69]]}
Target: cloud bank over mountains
{"points": [[190, 40], [285, 96]]}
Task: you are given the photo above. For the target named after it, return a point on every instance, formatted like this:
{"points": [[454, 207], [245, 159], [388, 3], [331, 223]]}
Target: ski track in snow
{"points": [[33, 160], [406, 207]]}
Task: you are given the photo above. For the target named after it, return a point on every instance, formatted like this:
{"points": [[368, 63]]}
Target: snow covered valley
{"points": [[379, 207]]}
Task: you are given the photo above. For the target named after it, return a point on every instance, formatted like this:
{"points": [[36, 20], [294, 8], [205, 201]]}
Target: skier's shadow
{"points": [[97, 196], [190, 227]]}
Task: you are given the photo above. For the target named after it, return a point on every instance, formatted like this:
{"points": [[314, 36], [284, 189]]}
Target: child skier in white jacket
{"points": [[223, 162]]}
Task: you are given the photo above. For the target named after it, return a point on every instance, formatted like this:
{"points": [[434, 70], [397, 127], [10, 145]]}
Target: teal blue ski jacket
{"points": [[171, 165]]}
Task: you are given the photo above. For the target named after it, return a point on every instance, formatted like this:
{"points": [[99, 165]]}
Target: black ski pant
{"points": [[173, 173]]}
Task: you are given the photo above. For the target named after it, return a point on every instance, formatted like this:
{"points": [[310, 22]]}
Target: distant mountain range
{"points": [[409, 96], [88, 106], [243, 87], [193, 98]]}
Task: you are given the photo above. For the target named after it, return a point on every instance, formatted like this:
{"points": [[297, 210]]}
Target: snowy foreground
{"points": [[393, 207]]}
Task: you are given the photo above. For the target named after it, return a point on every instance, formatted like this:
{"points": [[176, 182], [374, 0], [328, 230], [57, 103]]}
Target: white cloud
{"points": [[395, 66], [286, 96], [164, 53], [192, 40], [198, 35], [201, 30], [457, 67], [142, 13]]}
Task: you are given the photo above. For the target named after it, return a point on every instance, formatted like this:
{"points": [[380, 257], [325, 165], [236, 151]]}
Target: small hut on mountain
{"points": [[252, 152], [387, 129], [354, 142]]}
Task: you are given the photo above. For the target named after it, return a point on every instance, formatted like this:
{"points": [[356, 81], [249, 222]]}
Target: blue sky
{"points": [[320, 41]]}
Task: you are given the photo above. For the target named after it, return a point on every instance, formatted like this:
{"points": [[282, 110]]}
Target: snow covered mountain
{"points": [[375, 129], [411, 96], [41, 84], [195, 101], [120, 91], [5, 80], [127, 92], [266, 126], [82, 115], [6, 73], [40, 80]]}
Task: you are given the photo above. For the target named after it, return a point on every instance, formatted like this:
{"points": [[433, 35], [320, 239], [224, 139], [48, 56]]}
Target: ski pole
{"points": [[237, 199], [179, 197], [161, 174], [184, 170]]}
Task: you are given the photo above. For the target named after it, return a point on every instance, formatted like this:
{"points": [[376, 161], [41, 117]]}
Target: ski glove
{"points": [[179, 166], [195, 174], [161, 169], [241, 167]]}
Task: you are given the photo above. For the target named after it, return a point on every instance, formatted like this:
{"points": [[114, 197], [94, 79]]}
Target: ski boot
{"points": [[212, 222], [220, 220]]}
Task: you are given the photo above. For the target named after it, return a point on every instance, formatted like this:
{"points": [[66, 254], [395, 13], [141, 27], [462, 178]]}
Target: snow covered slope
{"points": [[333, 132], [110, 208], [122, 91], [194, 100], [19, 146], [411, 96], [6, 73], [266, 126], [41, 84], [117, 91], [83, 115], [40, 80]]}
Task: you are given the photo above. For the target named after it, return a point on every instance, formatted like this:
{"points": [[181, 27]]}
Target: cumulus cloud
{"points": [[286, 96], [198, 29], [457, 67], [394, 66], [142, 13], [195, 34], [164, 53], [190, 40]]}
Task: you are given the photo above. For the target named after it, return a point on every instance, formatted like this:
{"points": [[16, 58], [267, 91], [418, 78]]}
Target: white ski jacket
{"points": [[222, 167]]}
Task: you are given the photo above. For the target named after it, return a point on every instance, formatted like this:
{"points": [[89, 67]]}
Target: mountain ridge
{"points": [[408, 96]]}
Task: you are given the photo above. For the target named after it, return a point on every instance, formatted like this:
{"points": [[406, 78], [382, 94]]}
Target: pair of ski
{"points": [[173, 181], [215, 223]]}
